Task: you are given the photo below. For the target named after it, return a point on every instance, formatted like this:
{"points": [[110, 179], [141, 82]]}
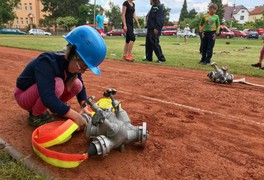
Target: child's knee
{"points": [[77, 86], [59, 86]]}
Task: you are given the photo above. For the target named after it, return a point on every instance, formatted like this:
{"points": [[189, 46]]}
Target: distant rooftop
{"points": [[257, 10]]}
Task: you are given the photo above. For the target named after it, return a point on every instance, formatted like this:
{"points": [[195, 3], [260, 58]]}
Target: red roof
{"points": [[257, 10]]}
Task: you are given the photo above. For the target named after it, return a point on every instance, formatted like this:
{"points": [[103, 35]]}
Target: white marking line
{"points": [[196, 109]]}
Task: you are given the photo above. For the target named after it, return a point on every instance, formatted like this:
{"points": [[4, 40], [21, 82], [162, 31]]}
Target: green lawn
{"points": [[238, 55], [11, 169]]}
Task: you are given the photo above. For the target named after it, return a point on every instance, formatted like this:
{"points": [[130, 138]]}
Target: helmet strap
{"points": [[72, 53]]}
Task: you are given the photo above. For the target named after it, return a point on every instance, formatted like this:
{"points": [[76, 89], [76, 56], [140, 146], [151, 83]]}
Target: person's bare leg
{"points": [[130, 47], [126, 49], [261, 58]]}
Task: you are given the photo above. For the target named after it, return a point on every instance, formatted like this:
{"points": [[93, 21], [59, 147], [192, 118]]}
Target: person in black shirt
{"points": [[155, 21], [128, 14]]}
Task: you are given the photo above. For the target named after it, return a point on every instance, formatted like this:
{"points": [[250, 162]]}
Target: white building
{"points": [[239, 13]]}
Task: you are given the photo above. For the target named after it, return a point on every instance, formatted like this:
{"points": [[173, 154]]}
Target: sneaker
{"points": [[128, 58], [131, 56], [124, 57], [145, 59], [262, 68], [37, 121], [258, 65], [202, 61], [159, 61]]}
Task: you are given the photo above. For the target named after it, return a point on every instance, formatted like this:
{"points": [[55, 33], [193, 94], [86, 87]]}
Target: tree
{"points": [[166, 15], [249, 25], [67, 22], [83, 12], [192, 14], [220, 11], [44, 22], [62, 8], [194, 24], [7, 10], [184, 11], [184, 22], [259, 23], [140, 21], [114, 15], [234, 24], [86, 13]]}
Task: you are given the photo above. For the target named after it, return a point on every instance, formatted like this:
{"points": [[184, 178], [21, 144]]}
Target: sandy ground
{"points": [[198, 129]]}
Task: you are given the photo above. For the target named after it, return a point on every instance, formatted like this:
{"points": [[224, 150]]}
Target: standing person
{"points": [[155, 21], [128, 14], [99, 22], [53, 78], [186, 33], [209, 27], [261, 57]]}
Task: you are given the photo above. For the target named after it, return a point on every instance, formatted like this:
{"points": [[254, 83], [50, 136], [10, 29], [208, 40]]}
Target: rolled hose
{"points": [[54, 133]]}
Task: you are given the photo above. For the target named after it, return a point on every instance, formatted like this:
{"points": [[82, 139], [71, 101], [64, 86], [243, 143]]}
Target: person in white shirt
{"points": [[186, 32]]}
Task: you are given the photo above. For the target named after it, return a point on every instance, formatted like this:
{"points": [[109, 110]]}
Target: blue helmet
{"points": [[90, 46]]}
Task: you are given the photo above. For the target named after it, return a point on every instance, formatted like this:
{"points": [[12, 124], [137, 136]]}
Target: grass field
{"points": [[238, 55], [11, 169]]}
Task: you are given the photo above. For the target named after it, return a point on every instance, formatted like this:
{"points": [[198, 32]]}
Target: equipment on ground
{"points": [[243, 81], [54, 133], [220, 75], [111, 128], [108, 128]]}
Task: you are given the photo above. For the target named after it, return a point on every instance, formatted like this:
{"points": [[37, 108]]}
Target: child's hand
{"points": [[77, 118], [85, 110], [156, 31], [81, 122], [214, 36], [125, 29], [202, 35]]}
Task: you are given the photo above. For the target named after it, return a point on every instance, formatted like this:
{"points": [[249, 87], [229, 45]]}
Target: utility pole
{"points": [[233, 18], [94, 12]]}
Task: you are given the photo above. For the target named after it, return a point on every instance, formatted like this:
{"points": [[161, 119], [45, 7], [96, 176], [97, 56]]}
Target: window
{"points": [[25, 4], [26, 20], [242, 18], [21, 20], [20, 6], [242, 11], [30, 6], [17, 20]]}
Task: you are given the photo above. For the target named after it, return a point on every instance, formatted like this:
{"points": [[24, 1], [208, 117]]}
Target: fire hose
{"points": [[109, 128]]}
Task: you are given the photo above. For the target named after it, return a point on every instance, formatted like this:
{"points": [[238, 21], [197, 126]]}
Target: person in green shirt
{"points": [[209, 28]]}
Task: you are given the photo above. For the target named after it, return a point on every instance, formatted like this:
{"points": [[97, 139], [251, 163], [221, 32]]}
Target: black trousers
{"points": [[152, 44], [201, 43], [207, 46]]}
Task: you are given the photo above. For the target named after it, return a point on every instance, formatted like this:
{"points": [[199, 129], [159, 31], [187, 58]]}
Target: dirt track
{"points": [[198, 130]]}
